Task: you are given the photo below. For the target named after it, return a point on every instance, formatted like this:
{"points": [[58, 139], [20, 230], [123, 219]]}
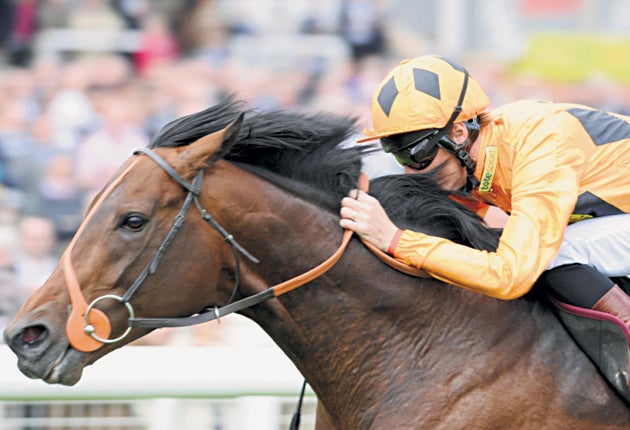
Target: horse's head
{"points": [[134, 258], [82, 311]]}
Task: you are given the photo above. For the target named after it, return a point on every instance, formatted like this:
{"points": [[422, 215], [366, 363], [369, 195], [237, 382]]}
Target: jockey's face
{"points": [[452, 175]]}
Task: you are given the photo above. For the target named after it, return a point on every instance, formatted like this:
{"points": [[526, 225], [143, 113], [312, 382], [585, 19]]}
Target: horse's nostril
{"points": [[32, 335]]}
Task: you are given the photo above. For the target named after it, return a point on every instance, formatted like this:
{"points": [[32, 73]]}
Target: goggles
{"points": [[415, 150]]}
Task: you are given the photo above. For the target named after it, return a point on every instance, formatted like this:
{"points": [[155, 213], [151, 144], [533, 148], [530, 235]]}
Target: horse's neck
{"points": [[349, 330], [362, 327]]}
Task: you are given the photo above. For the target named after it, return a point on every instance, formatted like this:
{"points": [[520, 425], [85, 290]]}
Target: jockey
{"points": [[544, 164]]}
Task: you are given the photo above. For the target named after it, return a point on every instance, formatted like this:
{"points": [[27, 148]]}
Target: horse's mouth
{"points": [[53, 374], [66, 369]]}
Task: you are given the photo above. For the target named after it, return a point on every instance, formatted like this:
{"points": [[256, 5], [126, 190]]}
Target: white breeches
{"points": [[602, 242]]}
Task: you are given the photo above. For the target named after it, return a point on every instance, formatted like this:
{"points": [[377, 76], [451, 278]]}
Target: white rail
{"points": [[159, 388]]}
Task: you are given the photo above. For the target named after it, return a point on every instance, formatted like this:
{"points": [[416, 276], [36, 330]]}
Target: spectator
{"points": [[36, 255], [71, 110], [102, 152], [157, 44], [6, 20], [40, 154], [202, 29], [16, 150], [112, 72], [362, 28], [40, 131], [22, 33], [97, 18], [20, 89], [46, 74], [53, 14], [59, 196], [132, 11], [11, 297]]}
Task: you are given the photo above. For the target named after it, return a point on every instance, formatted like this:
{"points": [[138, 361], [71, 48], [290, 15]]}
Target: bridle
{"points": [[88, 328], [96, 327], [194, 190]]}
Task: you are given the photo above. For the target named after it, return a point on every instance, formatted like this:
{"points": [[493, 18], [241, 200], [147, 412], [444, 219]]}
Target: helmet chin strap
{"points": [[472, 125], [460, 151], [464, 158]]}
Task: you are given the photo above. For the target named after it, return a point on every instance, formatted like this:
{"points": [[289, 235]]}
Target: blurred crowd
{"points": [[69, 119]]}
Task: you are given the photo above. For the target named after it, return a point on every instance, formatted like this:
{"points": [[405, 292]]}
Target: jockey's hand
{"points": [[364, 215]]}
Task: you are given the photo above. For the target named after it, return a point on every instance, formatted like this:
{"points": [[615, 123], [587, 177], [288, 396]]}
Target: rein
{"points": [[269, 293], [88, 328]]}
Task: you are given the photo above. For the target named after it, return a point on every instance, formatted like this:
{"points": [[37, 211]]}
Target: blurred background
{"points": [[85, 82]]}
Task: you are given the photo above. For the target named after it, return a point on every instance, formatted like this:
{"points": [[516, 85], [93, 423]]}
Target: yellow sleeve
{"points": [[545, 184]]}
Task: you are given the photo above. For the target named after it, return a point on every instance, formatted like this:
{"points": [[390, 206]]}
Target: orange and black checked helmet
{"points": [[423, 93]]}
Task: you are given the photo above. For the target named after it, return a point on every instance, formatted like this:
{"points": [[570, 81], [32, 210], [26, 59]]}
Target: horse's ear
{"points": [[211, 146], [231, 133]]}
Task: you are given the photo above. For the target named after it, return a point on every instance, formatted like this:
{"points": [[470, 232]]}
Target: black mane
{"points": [[306, 148], [294, 145], [417, 203]]}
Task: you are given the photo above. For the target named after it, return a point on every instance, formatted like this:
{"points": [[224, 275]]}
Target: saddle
{"points": [[603, 337]]}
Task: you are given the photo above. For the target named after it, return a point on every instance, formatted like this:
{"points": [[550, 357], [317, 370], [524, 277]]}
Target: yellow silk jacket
{"points": [[541, 162]]}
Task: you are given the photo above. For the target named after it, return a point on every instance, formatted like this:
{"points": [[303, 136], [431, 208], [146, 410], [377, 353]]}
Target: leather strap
{"points": [[275, 291], [291, 284], [396, 264], [191, 187], [315, 272], [76, 324], [282, 288]]}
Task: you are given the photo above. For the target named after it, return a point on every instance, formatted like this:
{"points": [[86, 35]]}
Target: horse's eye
{"points": [[133, 222]]}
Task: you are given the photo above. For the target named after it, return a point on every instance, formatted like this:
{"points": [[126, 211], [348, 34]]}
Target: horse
{"points": [[228, 203]]}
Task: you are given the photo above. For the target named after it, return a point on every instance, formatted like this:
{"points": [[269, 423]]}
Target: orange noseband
{"points": [[88, 328]]}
